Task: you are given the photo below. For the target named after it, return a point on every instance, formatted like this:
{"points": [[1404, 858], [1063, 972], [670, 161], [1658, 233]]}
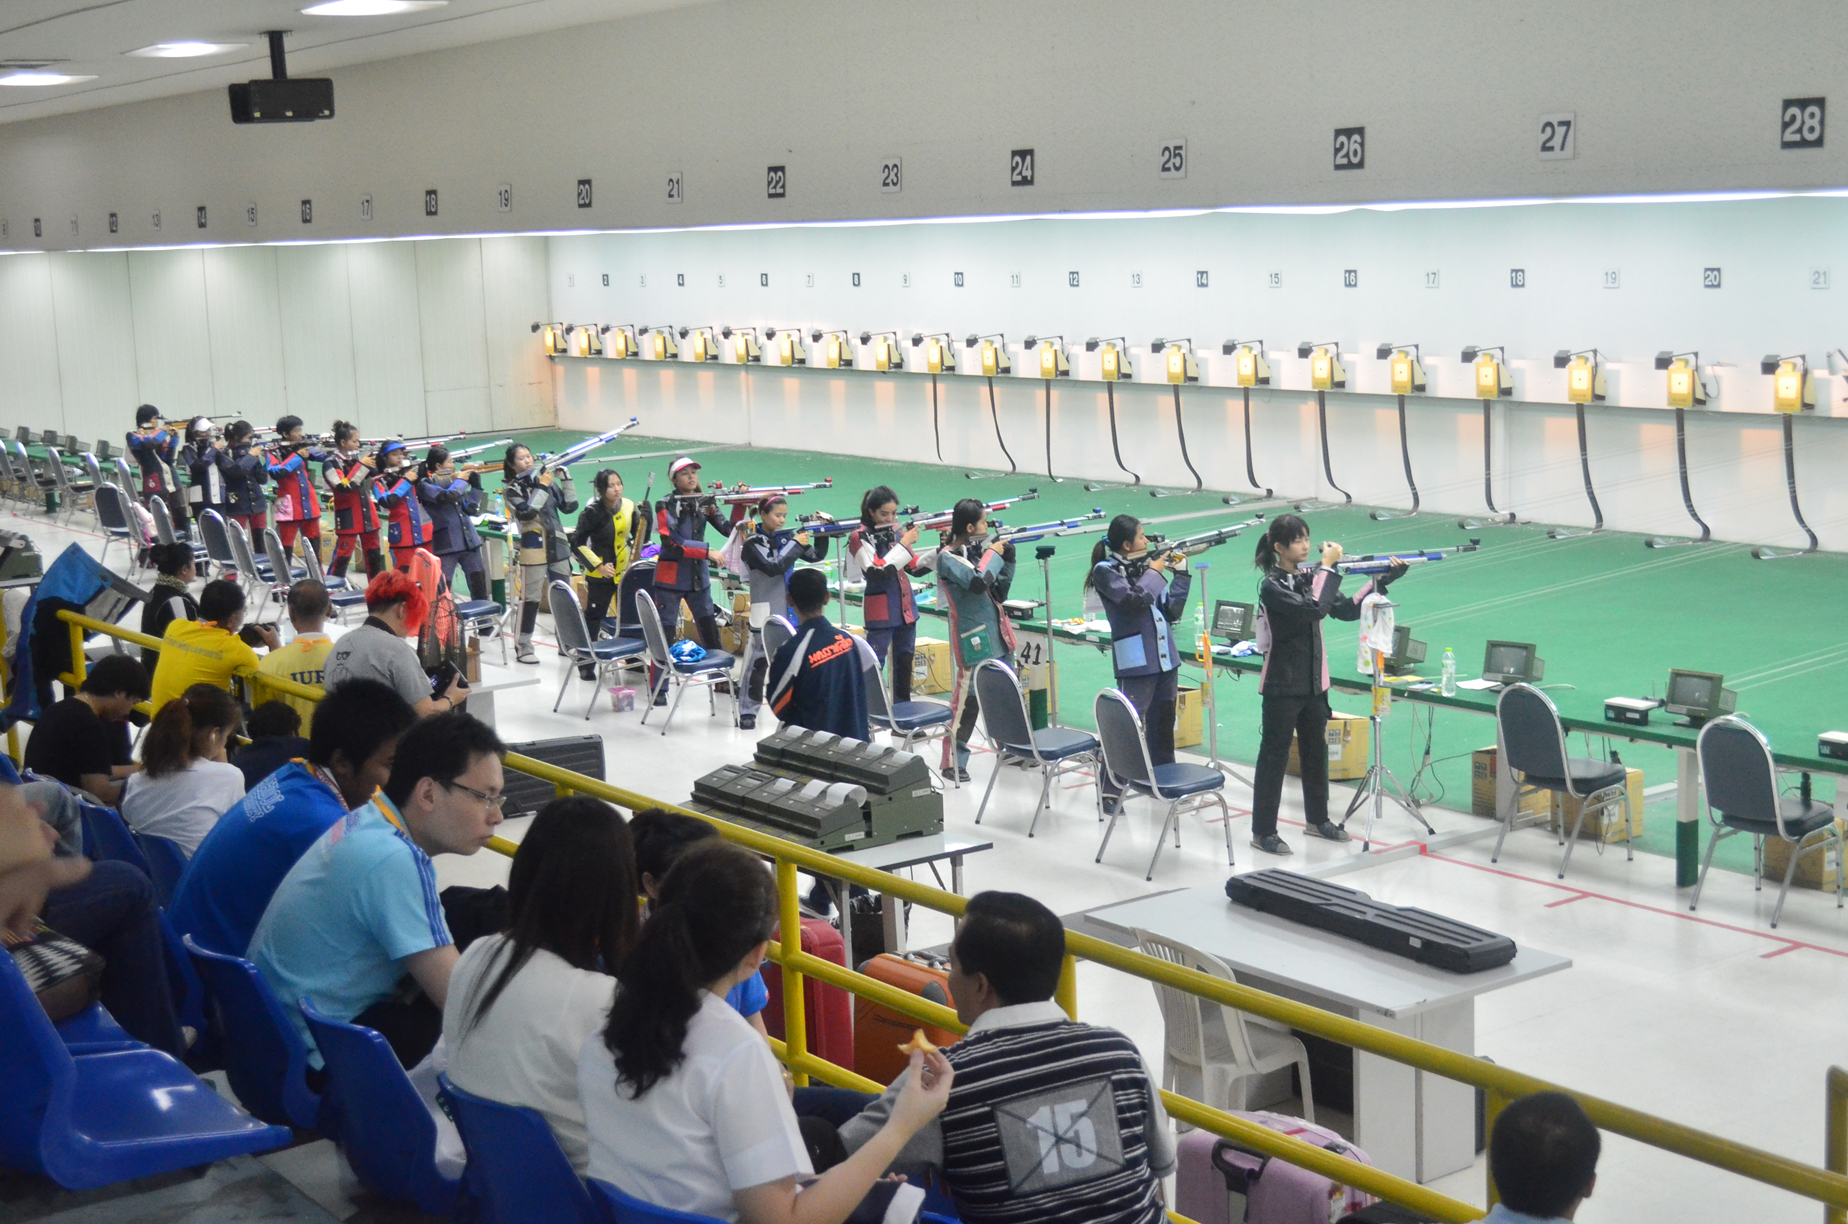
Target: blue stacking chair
{"points": [[166, 864], [1053, 751], [263, 1053], [604, 655], [373, 1112], [910, 721], [107, 836], [88, 1120], [1180, 785], [515, 1166], [621, 1208]]}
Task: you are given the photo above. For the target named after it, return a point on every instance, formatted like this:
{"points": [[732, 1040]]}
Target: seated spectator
{"points": [[377, 650], [207, 650], [684, 1102], [1022, 1054], [358, 914], [817, 678], [1543, 1154], [276, 738], [235, 871], [107, 907], [170, 600], [304, 659], [185, 783], [522, 1004], [82, 741]]}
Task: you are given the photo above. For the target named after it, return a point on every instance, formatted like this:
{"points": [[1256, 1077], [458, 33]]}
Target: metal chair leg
{"points": [[1046, 772], [657, 689], [1572, 845], [680, 690], [991, 786], [596, 686], [561, 692], [1507, 822], [1712, 845], [1161, 839], [1111, 827], [1225, 813], [1790, 869]]}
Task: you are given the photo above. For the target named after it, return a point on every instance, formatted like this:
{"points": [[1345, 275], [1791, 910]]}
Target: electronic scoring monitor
{"points": [[1511, 663]]}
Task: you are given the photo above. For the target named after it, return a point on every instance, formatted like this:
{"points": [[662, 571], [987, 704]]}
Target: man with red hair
{"points": [[377, 650]]}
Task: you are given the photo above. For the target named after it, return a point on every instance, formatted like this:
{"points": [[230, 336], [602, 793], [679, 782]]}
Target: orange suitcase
{"points": [[878, 1031]]}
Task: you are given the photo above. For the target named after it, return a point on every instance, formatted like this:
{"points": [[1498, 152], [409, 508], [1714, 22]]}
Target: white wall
{"points": [[1667, 98], [399, 336], [1766, 250]]}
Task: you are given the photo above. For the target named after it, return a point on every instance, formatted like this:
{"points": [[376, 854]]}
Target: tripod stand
{"points": [[1374, 784], [1210, 684]]}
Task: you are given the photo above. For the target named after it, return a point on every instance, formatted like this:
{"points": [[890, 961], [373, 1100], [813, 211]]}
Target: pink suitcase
{"points": [[1222, 1182]]}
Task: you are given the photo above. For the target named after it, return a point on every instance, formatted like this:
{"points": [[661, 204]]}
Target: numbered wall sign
{"points": [[1020, 168], [583, 193], [307, 212], [1819, 278], [1274, 280], [959, 280], [1800, 123], [1350, 278], [1135, 280], [1431, 279], [1200, 279], [676, 190], [856, 280], [365, 210], [606, 280], [250, 214], [115, 224], [156, 220], [1517, 278], [503, 198], [763, 280], [892, 175], [430, 202], [1174, 159], [1709, 278], [199, 215], [1013, 280], [1351, 148], [1613, 278], [1030, 659], [1557, 136], [38, 227], [1071, 279], [776, 182]]}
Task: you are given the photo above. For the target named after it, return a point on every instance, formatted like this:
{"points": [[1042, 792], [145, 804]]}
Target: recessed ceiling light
{"points": [[370, 8], [41, 78], [188, 49]]}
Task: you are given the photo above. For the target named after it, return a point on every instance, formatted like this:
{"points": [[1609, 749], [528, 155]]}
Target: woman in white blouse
{"points": [[185, 784], [685, 1103], [522, 1003]]}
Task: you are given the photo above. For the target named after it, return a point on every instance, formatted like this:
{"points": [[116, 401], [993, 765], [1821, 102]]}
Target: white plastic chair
{"points": [[1219, 1049]]}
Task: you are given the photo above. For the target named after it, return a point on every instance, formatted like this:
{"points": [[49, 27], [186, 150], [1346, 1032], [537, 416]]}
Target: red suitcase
{"points": [[878, 1031], [830, 1016]]}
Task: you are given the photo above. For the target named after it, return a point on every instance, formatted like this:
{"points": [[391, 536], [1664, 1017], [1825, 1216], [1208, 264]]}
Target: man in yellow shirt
{"points": [[304, 659], [208, 650]]}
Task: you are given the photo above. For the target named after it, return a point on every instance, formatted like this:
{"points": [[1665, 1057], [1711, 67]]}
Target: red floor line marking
{"points": [[1567, 901], [1792, 947]]}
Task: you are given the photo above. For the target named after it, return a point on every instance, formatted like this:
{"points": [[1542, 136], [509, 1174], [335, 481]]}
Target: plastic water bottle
{"points": [[1449, 686]]}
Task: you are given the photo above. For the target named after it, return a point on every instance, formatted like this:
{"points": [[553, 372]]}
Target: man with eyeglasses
{"points": [[357, 927]]}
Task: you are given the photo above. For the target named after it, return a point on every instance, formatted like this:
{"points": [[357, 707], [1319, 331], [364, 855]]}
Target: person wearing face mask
{"points": [[535, 498], [974, 574], [347, 472], [770, 552], [396, 493], [1142, 600], [605, 537], [888, 557]]}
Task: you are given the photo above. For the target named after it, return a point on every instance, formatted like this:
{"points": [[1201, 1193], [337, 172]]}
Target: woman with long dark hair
{"points": [[769, 550], [450, 499], [348, 474], [244, 481], [608, 532], [535, 496], [185, 783], [522, 1003], [887, 558], [1292, 603], [1142, 601], [684, 1102], [975, 575]]}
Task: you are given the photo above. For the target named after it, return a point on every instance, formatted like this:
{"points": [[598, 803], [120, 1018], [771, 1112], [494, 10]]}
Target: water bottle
{"points": [[1449, 686]]}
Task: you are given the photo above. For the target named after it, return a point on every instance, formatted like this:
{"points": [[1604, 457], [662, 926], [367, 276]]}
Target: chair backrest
{"points": [[264, 1056], [1119, 734], [163, 520], [217, 536], [776, 631], [277, 558], [125, 475], [652, 633], [311, 561], [620, 1208], [1186, 1016], [568, 620], [93, 470], [243, 559], [109, 837], [166, 864], [1737, 772], [1531, 733], [34, 1065], [112, 509], [377, 1117], [1004, 711], [55, 460], [878, 701], [515, 1164]]}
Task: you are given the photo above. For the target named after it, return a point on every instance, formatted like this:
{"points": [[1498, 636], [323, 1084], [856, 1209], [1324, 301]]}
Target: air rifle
{"points": [[1039, 531], [720, 495], [1380, 563], [571, 454], [1194, 545]]}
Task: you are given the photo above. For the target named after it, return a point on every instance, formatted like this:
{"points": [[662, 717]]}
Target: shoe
{"points": [[523, 653], [587, 673], [747, 722], [1329, 831], [1272, 844], [959, 774], [1112, 807], [660, 699]]}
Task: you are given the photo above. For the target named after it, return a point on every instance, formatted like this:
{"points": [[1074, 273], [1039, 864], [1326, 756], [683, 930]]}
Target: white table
{"points": [[1411, 1123], [908, 852], [481, 696]]}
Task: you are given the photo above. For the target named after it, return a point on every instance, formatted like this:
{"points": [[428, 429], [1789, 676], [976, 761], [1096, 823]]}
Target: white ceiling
{"points": [[89, 37]]}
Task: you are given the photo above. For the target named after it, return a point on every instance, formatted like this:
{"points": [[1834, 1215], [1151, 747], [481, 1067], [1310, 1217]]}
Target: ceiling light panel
{"points": [[185, 49], [370, 8]]}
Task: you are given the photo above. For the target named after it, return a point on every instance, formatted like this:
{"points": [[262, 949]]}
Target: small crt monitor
{"points": [[1511, 663], [1235, 622], [1697, 696], [49, 438], [23, 434], [1407, 653]]}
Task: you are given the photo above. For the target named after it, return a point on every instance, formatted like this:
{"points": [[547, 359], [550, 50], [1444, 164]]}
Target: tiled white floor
{"points": [[1711, 1020]]}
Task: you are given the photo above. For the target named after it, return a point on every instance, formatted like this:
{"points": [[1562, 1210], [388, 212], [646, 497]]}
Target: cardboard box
{"points": [[581, 590], [733, 638], [1816, 869], [741, 603], [1189, 726], [1605, 825], [1482, 766], [933, 670], [1350, 748]]}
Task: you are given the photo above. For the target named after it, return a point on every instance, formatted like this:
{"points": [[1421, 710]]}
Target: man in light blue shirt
{"points": [[357, 927], [1543, 1154]]}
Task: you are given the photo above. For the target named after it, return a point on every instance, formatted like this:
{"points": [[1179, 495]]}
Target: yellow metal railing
{"points": [[1828, 1185]]}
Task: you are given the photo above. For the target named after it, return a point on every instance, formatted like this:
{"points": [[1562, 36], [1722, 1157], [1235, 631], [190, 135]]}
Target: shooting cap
{"points": [[395, 444], [680, 465], [202, 425]]}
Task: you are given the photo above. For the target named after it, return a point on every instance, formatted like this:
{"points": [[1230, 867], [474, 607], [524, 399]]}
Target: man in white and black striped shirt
{"points": [[1048, 1119]]}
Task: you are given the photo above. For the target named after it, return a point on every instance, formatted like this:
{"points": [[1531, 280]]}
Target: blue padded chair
{"points": [[910, 721], [621, 1208], [1533, 743], [166, 864], [107, 836], [263, 1053], [605, 655], [710, 672], [215, 534], [342, 592], [113, 517], [1180, 786], [375, 1115], [1054, 751], [515, 1166], [87, 1120]]}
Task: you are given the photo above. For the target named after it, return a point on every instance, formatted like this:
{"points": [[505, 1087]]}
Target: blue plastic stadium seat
{"points": [[93, 1030], [166, 864], [621, 1208], [515, 1166], [263, 1053], [107, 836]]}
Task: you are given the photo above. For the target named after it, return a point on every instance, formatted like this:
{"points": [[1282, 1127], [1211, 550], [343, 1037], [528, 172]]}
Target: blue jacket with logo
{"points": [[1141, 614]]}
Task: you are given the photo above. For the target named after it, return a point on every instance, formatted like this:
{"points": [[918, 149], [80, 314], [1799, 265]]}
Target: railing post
{"points": [[1835, 1138], [1497, 1101], [795, 1018], [1067, 994], [80, 666]]}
